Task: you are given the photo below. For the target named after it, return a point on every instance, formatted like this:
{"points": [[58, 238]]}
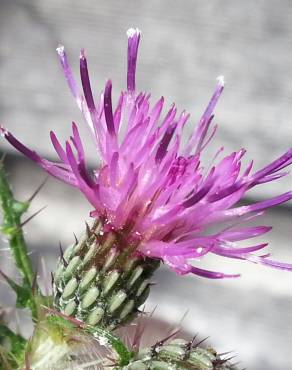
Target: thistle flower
{"points": [[150, 188]]}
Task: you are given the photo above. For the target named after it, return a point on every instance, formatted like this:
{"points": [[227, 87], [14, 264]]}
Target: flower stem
{"points": [[12, 228]]}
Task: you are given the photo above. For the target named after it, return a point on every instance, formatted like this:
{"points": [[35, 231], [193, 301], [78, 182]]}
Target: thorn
{"points": [[38, 189], [9, 281], [153, 311], [202, 341], [221, 361], [61, 250], [161, 342], [62, 255], [76, 240], [189, 347], [229, 358], [31, 217], [34, 283], [193, 340], [88, 231], [143, 312], [143, 308], [183, 317], [224, 353]]}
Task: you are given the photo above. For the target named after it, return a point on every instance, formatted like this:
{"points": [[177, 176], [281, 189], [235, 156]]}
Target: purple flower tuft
{"points": [[150, 186]]}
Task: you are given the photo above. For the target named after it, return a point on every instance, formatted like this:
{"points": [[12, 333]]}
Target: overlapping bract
{"points": [[151, 186]]}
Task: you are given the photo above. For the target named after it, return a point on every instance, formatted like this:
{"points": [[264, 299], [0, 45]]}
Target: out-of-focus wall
{"points": [[185, 45]]}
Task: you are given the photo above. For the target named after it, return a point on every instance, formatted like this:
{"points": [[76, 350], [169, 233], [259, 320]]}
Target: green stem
{"points": [[22, 261], [13, 211], [11, 227]]}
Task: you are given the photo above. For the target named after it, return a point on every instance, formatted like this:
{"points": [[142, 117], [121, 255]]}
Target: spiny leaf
{"points": [[13, 346], [24, 297]]}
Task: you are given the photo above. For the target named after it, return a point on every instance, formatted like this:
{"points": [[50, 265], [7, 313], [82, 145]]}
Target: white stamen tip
{"points": [[220, 80], [132, 32], [3, 131], [60, 49], [82, 54]]}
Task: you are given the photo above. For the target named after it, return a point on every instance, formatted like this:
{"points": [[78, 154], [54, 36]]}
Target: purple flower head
{"points": [[151, 187]]}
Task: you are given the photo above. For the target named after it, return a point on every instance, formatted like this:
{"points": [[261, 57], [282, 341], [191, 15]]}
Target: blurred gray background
{"points": [[185, 46]]}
